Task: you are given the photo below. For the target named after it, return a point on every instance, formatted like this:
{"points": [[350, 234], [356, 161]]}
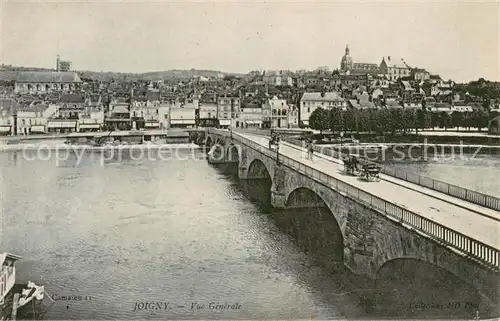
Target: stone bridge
{"points": [[375, 238]]}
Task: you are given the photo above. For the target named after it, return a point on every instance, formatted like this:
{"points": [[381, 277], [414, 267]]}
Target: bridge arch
{"points": [[233, 152], [420, 287], [209, 141], [316, 227], [257, 169]]}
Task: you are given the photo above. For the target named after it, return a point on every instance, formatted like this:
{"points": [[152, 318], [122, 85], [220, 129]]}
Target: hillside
{"points": [[10, 73]]}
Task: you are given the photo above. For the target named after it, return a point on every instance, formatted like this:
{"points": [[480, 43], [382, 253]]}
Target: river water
{"points": [[180, 232], [480, 172]]}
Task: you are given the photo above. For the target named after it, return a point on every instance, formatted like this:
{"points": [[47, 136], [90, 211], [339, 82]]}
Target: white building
{"points": [[293, 116], [279, 112], [6, 122], [91, 121], [251, 116], [164, 116], [182, 117], [326, 100], [228, 109], [278, 78], [32, 119], [208, 115], [394, 68], [46, 81], [7, 274], [442, 88], [145, 112]]}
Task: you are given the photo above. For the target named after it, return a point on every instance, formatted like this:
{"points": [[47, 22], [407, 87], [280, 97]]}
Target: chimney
{"points": [[389, 58]]}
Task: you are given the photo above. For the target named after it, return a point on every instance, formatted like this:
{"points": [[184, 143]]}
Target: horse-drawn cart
{"points": [[351, 165], [370, 172], [274, 141]]}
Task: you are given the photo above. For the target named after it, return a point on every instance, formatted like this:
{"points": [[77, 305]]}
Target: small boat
{"points": [[20, 301]]}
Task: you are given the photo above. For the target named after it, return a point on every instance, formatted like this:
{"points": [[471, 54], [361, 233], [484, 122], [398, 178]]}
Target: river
{"points": [[178, 231], [476, 172], [118, 231]]}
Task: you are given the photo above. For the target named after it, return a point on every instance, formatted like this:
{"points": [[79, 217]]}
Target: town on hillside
{"points": [[390, 96]]}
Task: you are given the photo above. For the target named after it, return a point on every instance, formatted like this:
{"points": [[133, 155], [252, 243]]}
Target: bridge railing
{"points": [[478, 198], [475, 249]]}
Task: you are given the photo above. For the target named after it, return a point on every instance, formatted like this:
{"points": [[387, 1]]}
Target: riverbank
{"points": [[427, 137], [171, 136]]}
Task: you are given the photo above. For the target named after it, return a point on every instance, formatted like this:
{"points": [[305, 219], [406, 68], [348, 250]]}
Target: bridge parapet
{"points": [[475, 197], [483, 253]]}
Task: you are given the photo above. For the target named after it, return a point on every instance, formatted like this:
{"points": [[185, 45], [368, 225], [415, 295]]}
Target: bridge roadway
{"points": [[431, 204]]}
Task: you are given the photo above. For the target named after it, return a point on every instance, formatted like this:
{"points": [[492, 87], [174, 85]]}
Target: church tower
{"points": [[346, 61]]}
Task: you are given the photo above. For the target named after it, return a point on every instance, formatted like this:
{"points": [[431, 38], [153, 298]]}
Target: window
{"points": [[308, 109]]}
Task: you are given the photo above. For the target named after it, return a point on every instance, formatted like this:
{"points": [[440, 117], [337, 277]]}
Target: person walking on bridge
{"points": [[310, 150]]}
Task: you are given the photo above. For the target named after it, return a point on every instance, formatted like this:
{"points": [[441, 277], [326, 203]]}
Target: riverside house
{"points": [[7, 274], [310, 101]]}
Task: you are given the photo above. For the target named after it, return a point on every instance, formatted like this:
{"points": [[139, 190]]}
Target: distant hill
{"points": [[8, 73], [155, 75]]}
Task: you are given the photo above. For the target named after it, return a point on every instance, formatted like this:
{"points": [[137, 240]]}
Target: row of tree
{"points": [[391, 121]]}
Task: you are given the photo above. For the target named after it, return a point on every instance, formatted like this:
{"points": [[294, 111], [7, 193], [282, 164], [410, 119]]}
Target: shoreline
{"points": [[68, 147]]}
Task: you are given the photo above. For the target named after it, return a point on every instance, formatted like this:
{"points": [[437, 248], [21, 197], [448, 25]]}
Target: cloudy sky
{"points": [[458, 40]]}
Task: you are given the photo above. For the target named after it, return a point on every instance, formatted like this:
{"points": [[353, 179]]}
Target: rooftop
{"points": [[72, 98], [48, 77], [395, 62], [326, 96]]}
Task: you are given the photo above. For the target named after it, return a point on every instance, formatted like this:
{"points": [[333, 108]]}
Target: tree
{"points": [[364, 120], [480, 119], [420, 119], [319, 119], [349, 117], [409, 119], [385, 120], [493, 114], [457, 119], [444, 120], [335, 120]]}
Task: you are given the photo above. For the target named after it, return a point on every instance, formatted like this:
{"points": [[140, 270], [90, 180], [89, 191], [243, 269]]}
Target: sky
{"points": [[457, 40]]}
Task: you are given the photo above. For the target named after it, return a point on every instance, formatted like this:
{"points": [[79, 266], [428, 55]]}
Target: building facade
{"points": [[251, 116], [310, 101], [182, 117], [228, 110], [208, 115], [36, 82], [347, 64], [279, 112], [394, 68]]}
